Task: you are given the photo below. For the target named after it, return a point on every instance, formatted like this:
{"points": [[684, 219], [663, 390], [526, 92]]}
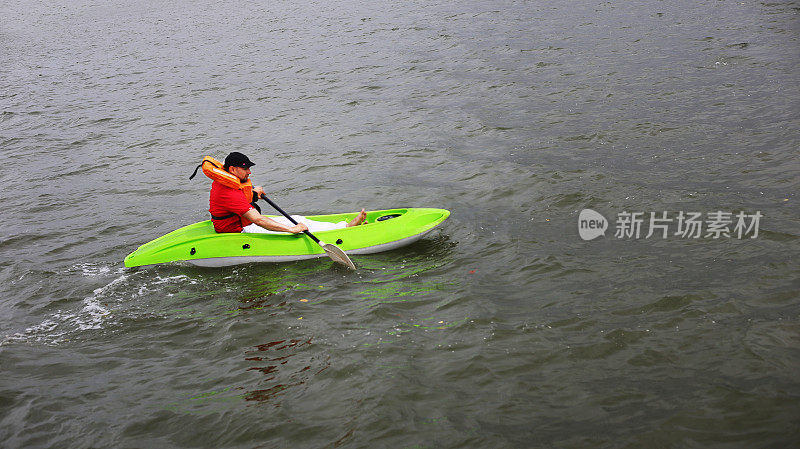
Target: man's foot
{"points": [[361, 218]]}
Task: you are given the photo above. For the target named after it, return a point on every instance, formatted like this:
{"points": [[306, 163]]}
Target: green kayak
{"points": [[200, 245]]}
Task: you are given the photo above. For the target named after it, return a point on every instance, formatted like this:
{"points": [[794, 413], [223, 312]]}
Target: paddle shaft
{"points": [[334, 252], [289, 217]]}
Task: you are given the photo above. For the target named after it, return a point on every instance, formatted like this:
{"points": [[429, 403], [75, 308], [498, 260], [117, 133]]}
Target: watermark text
{"points": [[666, 224]]}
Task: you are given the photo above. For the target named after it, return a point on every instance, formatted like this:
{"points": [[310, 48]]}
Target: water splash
{"points": [[62, 324], [94, 312]]}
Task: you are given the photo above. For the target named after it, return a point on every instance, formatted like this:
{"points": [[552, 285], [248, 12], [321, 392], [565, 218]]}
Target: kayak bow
{"points": [[200, 245]]}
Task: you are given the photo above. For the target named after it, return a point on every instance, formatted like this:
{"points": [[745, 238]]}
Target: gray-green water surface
{"points": [[501, 329]]}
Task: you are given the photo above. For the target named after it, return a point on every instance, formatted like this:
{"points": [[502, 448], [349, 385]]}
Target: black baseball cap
{"points": [[237, 159]]}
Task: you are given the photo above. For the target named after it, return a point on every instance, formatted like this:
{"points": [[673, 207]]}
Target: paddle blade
{"points": [[337, 255]]}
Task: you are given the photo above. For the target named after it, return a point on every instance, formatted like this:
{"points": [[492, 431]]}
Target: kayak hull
{"points": [[200, 245], [236, 260]]}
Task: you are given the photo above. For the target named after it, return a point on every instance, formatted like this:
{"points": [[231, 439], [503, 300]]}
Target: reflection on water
{"points": [[276, 367], [278, 361], [396, 276], [394, 292]]}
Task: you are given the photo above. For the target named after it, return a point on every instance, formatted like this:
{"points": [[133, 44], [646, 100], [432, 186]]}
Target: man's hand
{"points": [[259, 190], [300, 227]]}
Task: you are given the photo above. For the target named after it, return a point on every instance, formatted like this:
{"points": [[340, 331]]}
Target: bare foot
{"points": [[361, 218]]}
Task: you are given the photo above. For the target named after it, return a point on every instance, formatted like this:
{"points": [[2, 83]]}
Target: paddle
{"points": [[334, 252]]}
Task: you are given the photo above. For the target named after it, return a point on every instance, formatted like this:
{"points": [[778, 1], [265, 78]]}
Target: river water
{"points": [[504, 328]]}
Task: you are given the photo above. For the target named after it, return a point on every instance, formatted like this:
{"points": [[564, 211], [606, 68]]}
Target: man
{"points": [[231, 211]]}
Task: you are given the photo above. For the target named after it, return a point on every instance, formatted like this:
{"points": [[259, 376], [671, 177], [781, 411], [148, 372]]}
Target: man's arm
{"points": [[272, 225]]}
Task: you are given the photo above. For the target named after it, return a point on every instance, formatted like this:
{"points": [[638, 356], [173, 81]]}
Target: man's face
{"points": [[241, 173]]}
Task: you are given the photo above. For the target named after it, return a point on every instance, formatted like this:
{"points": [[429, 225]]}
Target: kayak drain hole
{"points": [[387, 217], [246, 246], [191, 253], [338, 241]]}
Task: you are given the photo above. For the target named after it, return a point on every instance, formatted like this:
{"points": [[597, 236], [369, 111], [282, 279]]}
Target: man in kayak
{"points": [[231, 212]]}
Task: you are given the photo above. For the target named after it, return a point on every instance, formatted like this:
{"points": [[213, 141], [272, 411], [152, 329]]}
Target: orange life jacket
{"points": [[214, 170]]}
